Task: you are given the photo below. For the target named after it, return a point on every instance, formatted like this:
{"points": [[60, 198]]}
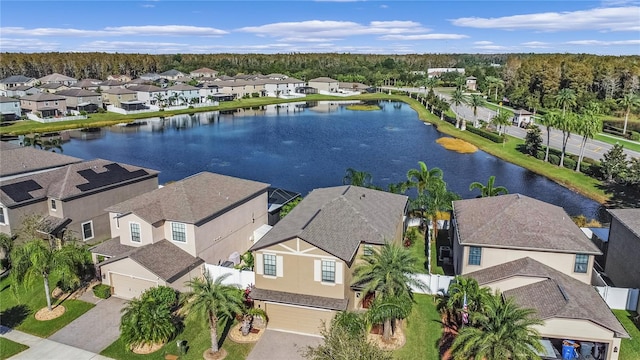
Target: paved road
{"points": [[594, 148], [94, 330]]}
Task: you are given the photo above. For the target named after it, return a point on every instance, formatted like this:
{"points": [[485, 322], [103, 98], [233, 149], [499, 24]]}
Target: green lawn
{"points": [[610, 139], [423, 331], [9, 348], [196, 333], [630, 348], [17, 310]]}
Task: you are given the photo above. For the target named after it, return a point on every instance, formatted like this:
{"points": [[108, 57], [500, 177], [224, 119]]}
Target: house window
{"points": [[53, 205], [3, 216], [178, 232], [135, 232], [475, 255], [87, 230], [368, 250], [582, 261], [269, 264], [328, 271]]}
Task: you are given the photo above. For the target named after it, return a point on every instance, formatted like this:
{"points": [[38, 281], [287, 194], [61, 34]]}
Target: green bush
{"points": [[162, 295], [255, 94], [569, 163], [486, 134], [554, 159], [540, 154], [102, 291], [634, 136], [101, 110]]}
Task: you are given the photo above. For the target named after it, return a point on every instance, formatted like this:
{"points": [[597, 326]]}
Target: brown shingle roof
{"points": [[520, 222], [77, 93], [299, 299], [629, 218], [112, 247], [182, 87], [192, 200], [44, 96], [55, 77], [6, 99], [557, 295], [338, 219], [146, 88], [17, 159], [323, 79], [119, 91]]}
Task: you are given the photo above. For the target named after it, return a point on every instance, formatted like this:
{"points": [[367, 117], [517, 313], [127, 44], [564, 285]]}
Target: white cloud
{"points": [[144, 30], [423, 37], [603, 19], [535, 45], [491, 47], [604, 43], [383, 6], [483, 42], [26, 45]]}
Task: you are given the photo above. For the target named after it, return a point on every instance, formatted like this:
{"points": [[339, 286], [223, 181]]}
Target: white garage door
{"points": [[297, 319], [128, 287]]}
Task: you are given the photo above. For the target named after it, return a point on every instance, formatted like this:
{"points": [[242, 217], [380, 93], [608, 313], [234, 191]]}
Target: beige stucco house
{"points": [[120, 97], [48, 105], [71, 199], [325, 84], [304, 264], [204, 218], [203, 72], [82, 100]]}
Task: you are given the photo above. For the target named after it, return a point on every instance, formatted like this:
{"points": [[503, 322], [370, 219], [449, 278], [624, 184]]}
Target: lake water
{"points": [[304, 146]]}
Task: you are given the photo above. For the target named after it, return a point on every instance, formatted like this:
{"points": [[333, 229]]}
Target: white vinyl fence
{"points": [[242, 278], [619, 298], [436, 284]]}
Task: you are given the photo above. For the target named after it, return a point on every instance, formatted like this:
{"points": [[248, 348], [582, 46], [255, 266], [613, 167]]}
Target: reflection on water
{"points": [[301, 146]]}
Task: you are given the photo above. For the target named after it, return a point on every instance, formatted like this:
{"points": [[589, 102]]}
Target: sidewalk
{"points": [[40, 348]]}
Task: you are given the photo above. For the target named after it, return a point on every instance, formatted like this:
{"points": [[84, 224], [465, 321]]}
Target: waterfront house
{"points": [[9, 109], [304, 264], [71, 199], [205, 216], [325, 84], [82, 100], [48, 105], [623, 248], [122, 98], [183, 94], [149, 94], [20, 160]]}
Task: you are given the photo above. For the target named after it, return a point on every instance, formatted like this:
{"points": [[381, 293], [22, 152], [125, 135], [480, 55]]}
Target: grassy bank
{"points": [[9, 348], [609, 139]]}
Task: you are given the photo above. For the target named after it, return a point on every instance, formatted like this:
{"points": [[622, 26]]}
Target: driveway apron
{"points": [[278, 345]]}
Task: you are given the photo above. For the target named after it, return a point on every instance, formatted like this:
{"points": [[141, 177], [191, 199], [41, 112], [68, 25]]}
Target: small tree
{"points": [[533, 141], [614, 163], [489, 189], [286, 209], [357, 178]]}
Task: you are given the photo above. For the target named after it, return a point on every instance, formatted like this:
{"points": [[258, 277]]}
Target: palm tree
{"points": [[549, 120], [388, 274], [160, 99], [463, 287], [488, 190], [565, 98], [475, 101], [357, 178], [211, 300], [588, 125], [438, 199], [421, 177], [502, 331], [146, 321], [457, 99], [460, 82], [430, 82], [628, 102], [37, 258], [567, 124], [386, 309], [501, 120]]}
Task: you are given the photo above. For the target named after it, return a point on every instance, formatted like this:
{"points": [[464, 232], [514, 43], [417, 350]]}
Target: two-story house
{"points": [[325, 84], [72, 198], [205, 216], [57, 78], [150, 94], [183, 93], [203, 72], [48, 105], [623, 248], [9, 109], [15, 81], [533, 252], [82, 100], [304, 264], [120, 97], [171, 75]]}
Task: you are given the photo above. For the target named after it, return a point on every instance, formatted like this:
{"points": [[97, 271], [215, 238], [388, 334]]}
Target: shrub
{"points": [[569, 163], [554, 159], [162, 295], [102, 291], [634, 136], [486, 134], [540, 154], [255, 94], [101, 110]]}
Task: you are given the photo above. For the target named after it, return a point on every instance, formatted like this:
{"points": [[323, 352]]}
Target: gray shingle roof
{"points": [[338, 219], [557, 295], [629, 217], [518, 221], [44, 96], [182, 87], [112, 247], [146, 88], [52, 86], [172, 72], [119, 91], [70, 181], [6, 99], [162, 258], [192, 200], [55, 77], [15, 79], [323, 79], [17, 159], [77, 93], [299, 299]]}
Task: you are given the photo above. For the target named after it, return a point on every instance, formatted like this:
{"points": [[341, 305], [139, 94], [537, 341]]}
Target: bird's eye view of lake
{"points": [[302, 146]]}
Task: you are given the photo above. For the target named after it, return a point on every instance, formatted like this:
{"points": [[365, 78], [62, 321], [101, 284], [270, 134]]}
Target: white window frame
{"points": [[264, 263], [90, 222], [327, 263], [184, 228], [586, 265], [5, 216], [131, 223]]}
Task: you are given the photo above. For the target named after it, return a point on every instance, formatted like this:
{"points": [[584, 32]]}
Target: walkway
{"points": [[46, 349]]}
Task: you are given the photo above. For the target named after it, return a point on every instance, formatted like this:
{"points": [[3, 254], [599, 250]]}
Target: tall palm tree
{"points": [[438, 200], [37, 258], [460, 82], [211, 300], [146, 321], [421, 177], [457, 99], [430, 83], [386, 309], [159, 99], [475, 101], [549, 120], [489, 189], [628, 102], [565, 98], [357, 178], [388, 274], [501, 331], [588, 125], [501, 120], [567, 124]]}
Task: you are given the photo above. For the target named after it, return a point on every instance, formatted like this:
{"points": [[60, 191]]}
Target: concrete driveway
{"points": [[94, 330], [278, 345]]}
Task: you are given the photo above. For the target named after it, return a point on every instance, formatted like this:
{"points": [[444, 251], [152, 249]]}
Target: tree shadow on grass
{"points": [[622, 196], [227, 327], [14, 316]]}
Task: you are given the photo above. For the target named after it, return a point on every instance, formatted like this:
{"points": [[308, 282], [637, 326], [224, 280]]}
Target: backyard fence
{"points": [[435, 284], [619, 298], [243, 278]]}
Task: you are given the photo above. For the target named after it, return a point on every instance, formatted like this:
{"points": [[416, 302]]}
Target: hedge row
{"points": [[588, 166], [486, 134]]}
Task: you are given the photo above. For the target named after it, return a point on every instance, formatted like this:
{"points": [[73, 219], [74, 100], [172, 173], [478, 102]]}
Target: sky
{"points": [[609, 27]]}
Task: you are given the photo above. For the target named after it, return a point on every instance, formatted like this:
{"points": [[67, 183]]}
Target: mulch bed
{"points": [[44, 314]]}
